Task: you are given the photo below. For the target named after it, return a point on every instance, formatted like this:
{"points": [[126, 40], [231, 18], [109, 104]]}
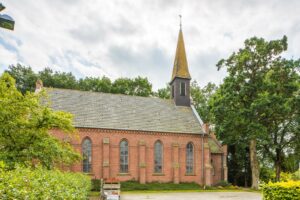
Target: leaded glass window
{"points": [[189, 158], [158, 157], [124, 156], [87, 155]]}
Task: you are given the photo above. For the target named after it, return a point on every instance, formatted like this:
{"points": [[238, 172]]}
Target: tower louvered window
{"points": [[182, 88]]}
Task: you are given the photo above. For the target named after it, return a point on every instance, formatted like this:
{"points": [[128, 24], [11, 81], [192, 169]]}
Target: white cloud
{"points": [[130, 38]]}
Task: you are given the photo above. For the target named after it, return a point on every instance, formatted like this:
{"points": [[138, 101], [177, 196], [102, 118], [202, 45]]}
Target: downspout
{"points": [[202, 142]]}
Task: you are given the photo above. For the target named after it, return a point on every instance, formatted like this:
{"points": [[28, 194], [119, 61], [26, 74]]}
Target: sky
{"points": [[130, 38]]}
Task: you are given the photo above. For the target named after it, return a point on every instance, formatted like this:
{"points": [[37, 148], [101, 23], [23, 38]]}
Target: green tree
{"points": [[58, 79], [279, 107], [24, 76], [24, 128], [201, 97], [244, 105], [95, 84], [141, 87], [164, 93], [136, 87]]}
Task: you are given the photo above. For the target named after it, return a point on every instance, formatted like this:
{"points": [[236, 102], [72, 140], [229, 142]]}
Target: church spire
{"points": [[180, 82], [180, 68]]}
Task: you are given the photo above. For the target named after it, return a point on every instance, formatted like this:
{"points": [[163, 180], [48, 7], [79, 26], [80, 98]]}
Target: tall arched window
{"points": [[124, 156], [87, 155], [158, 157], [189, 158]]}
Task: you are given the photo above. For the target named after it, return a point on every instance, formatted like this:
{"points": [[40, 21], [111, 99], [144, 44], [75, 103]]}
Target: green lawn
{"points": [[135, 187]]}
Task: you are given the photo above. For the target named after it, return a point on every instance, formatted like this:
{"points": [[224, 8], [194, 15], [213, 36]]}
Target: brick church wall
{"points": [[217, 165], [105, 155]]}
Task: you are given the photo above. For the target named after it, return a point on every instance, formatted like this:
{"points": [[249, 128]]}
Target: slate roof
{"points": [[214, 145], [115, 111]]}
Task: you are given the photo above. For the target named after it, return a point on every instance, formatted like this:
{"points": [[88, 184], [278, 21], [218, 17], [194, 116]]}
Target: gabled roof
{"points": [[180, 68], [123, 112], [214, 145]]}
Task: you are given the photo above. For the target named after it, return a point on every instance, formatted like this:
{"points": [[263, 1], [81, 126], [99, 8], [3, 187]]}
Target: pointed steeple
{"points": [[180, 82], [180, 68]]}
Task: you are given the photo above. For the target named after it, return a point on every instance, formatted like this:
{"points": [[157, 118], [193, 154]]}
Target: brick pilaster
{"points": [[142, 162], [175, 149], [207, 165], [105, 151]]}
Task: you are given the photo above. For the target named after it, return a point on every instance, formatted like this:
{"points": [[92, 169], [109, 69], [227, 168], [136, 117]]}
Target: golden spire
{"points": [[180, 68]]}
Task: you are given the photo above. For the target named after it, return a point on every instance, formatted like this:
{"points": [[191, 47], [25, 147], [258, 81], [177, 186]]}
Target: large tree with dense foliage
{"points": [[57, 79], [201, 97], [24, 128], [257, 99], [25, 79], [136, 87], [103, 84]]}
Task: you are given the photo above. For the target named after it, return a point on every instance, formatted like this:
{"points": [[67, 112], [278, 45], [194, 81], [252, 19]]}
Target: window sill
{"points": [[158, 174], [192, 174], [88, 173], [124, 174]]}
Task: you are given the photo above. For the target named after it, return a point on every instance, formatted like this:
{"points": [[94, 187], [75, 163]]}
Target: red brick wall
{"points": [[217, 166], [105, 156]]}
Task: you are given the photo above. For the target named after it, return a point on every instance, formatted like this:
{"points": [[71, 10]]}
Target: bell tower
{"points": [[180, 81]]}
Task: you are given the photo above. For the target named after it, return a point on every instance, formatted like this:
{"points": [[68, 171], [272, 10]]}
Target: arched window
{"points": [[87, 155], [189, 158], [158, 157], [124, 156]]}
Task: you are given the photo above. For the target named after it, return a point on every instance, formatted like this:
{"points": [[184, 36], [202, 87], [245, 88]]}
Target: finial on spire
{"points": [[180, 24]]}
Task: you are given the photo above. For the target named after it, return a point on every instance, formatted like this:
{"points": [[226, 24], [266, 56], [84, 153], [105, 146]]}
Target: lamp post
{"points": [[6, 21]]}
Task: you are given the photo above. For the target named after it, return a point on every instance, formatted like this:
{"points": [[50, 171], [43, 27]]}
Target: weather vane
{"points": [[180, 24]]}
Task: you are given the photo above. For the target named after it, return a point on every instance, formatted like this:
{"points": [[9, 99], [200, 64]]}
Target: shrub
{"points": [[223, 184], [96, 185], [281, 190], [285, 176], [25, 183], [296, 176]]}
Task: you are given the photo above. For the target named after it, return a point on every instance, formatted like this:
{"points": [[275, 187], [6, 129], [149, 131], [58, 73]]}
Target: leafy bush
{"points": [[281, 190], [267, 174], [296, 176], [25, 183], [96, 185], [223, 184]]}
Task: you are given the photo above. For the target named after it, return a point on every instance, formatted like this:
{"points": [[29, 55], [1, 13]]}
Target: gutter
{"points": [[202, 141]]}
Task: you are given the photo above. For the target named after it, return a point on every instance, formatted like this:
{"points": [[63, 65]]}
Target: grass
{"points": [[94, 194], [135, 187]]}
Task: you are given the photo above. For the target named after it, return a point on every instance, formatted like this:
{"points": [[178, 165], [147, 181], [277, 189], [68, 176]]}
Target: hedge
{"points": [[25, 183], [281, 191]]}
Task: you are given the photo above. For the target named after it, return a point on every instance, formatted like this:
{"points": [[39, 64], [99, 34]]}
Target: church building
{"points": [[146, 139]]}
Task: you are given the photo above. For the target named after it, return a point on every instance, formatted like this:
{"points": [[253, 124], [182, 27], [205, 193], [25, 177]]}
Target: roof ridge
{"points": [[106, 93]]}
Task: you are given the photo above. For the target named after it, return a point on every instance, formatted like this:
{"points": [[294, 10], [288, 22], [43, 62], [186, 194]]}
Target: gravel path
{"points": [[194, 196]]}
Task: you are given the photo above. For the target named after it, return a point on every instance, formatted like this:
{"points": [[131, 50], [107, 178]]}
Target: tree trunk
{"points": [[254, 164], [278, 164]]}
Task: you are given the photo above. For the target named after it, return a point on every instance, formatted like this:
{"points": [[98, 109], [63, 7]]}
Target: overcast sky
{"points": [[128, 38]]}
